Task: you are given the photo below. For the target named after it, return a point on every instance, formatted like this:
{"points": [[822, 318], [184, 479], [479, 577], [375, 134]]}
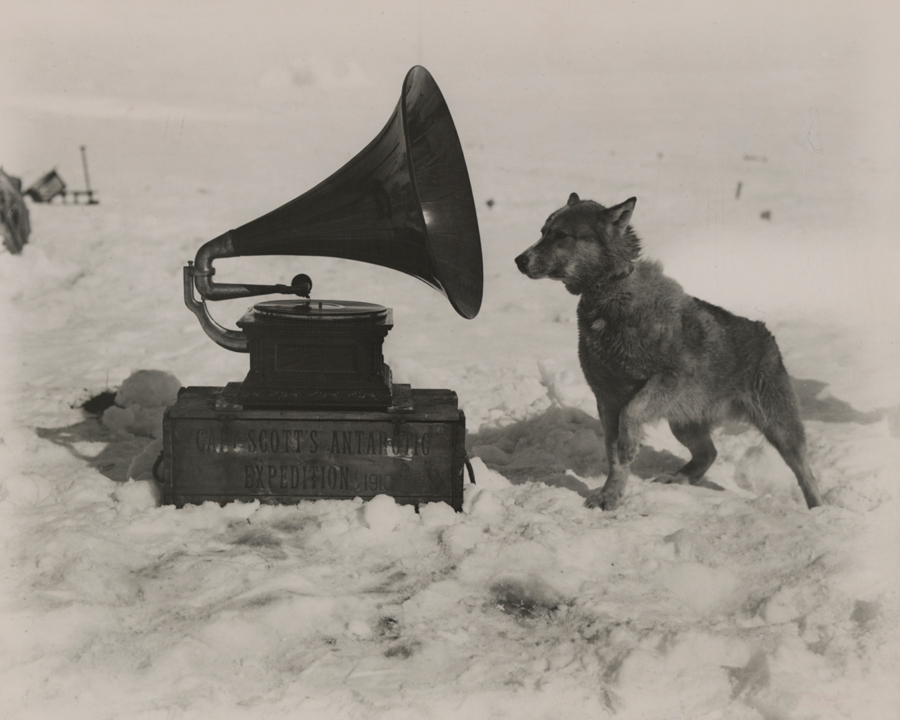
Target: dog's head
{"points": [[583, 243]]}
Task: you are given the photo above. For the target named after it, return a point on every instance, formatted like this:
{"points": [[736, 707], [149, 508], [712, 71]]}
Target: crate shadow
{"points": [[112, 461]]}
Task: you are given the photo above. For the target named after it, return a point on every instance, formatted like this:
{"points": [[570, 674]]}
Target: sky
{"points": [[183, 50]]}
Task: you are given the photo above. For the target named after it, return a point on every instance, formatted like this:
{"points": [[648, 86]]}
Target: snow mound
{"points": [[148, 389], [137, 495], [141, 403], [382, 514]]}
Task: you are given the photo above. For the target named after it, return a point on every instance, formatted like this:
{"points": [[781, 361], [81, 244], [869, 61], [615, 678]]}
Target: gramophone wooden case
{"points": [[217, 452]]}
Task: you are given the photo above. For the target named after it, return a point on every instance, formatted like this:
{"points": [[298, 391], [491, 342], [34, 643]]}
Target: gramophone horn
{"points": [[404, 202]]}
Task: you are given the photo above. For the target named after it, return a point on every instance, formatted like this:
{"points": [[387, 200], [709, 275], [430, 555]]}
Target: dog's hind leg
{"points": [[778, 418], [789, 439], [696, 438]]}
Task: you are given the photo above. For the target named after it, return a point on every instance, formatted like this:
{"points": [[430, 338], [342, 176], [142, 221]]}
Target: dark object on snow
{"points": [[47, 187], [15, 223], [99, 403]]}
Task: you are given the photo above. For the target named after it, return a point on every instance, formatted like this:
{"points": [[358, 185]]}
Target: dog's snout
{"points": [[522, 262]]}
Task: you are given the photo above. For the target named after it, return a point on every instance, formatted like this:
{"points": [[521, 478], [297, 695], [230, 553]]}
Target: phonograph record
{"points": [[318, 415]]}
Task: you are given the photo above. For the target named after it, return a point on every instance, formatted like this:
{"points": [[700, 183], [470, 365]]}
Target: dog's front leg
{"points": [[623, 424], [608, 497]]}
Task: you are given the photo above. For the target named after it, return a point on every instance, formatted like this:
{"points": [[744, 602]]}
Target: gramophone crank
{"points": [[318, 415]]}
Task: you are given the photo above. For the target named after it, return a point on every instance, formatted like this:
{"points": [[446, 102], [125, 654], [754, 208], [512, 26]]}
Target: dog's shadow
{"points": [[551, 446], [561, 439]]}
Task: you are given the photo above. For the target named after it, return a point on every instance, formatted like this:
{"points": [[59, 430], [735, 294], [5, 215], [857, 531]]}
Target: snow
{"points": [[685, 602]]}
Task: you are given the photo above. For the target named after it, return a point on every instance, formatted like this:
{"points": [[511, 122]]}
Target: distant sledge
{"points": [[47, 187], [51, 185]]}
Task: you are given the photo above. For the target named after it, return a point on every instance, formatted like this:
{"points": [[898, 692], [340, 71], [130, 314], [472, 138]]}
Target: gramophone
{"points": [[317, 415]]}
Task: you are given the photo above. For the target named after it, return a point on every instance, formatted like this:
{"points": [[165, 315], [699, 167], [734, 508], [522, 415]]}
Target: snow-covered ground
{"points": [[684, 603]]}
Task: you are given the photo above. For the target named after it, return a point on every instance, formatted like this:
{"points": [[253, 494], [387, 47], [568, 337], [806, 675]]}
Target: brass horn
{"points": [[404, 202]]}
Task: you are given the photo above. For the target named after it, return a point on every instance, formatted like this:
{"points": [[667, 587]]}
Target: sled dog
{"points": [[650, 351]]}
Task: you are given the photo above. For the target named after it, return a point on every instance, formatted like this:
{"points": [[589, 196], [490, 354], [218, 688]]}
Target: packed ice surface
{"points": [[686, 602]]}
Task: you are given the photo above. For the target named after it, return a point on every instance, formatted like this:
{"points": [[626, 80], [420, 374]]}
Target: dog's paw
{"points": [[603, 500], [671, 479], [679, 479]]}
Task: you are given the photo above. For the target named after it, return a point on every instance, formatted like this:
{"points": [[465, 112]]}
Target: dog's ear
{"points": [[573, 198], [620, 215]]}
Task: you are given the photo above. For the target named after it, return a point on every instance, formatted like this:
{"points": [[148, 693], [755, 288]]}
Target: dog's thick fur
{"points": [[650, 351]]}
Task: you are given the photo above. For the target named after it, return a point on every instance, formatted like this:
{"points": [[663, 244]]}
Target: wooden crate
{"points": [[216, 451]]}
